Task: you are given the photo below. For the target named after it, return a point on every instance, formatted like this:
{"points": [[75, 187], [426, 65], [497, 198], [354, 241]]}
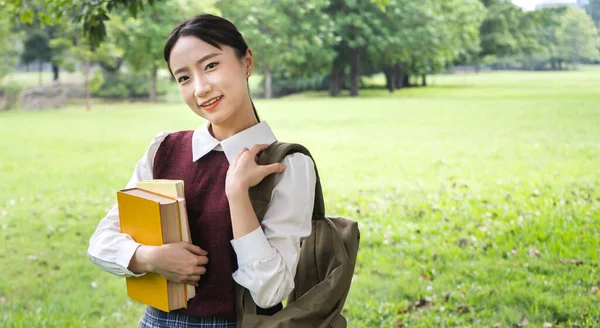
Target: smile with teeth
{"points": [[212, 101]]}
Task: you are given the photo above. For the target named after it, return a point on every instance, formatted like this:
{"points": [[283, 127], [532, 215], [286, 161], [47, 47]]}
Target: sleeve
{"points": [[268, 257], [110, 249]]}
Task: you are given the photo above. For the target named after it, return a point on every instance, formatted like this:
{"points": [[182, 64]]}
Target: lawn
{"points": [[478, 200]]}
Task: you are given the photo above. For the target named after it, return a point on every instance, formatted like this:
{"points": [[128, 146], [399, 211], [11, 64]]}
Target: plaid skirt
{"points": [[154, 318]]}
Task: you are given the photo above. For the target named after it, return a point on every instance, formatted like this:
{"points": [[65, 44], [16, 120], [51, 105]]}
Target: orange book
{"points": [[152, 219], [172, 188]]}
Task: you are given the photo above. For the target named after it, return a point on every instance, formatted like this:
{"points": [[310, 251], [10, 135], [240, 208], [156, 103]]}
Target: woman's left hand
{"points": [[245, 173]]}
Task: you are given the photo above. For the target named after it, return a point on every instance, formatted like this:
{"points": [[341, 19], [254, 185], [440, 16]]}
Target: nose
{"points": [[201, 87]]}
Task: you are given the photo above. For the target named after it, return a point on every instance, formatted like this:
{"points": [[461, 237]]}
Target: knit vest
{"points": [[209, 220]]}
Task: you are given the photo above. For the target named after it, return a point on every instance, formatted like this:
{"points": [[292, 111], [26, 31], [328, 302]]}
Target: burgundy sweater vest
{"points": [[209, 220]]}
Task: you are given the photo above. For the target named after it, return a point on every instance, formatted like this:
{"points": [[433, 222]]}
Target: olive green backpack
{"points": [[325, 268]]}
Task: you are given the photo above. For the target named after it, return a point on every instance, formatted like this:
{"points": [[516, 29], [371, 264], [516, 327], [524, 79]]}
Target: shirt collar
{"points": [[203, 142]]}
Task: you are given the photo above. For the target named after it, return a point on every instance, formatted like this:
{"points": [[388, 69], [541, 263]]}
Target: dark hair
{"points": [[213, 30]]}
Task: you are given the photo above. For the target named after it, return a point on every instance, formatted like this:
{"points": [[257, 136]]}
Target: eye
{"points": [[182, 79], [211, 66]]}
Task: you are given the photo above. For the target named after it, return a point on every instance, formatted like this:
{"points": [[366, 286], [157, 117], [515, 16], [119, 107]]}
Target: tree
{"points": [[593, 9], [263, 28], [288, 37], [453, 32], [75, 50], [8, 47], [37, 48], [359, 27], [546, 22], [142, 38], [40, 26], [424, 37], [577, 37], [496, 37]]}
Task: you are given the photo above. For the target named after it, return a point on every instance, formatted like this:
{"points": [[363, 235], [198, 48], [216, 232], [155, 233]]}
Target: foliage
{"points": [[593, 9], [91, 14], [294, 37], [122, 85], [578, 37], [8, 47], [538, 39], [36, 47], [317, 42], [142, 38], [9, 95], [289, 38]]}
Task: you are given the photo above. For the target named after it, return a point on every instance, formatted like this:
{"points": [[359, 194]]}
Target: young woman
{"points": [[211, 63]]}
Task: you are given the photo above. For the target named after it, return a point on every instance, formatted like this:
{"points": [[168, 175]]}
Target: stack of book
{"points": [[154, 214]]}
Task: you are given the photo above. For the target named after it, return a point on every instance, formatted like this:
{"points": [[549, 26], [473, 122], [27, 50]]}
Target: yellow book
{"points": [[172, 188], [152, 219]]}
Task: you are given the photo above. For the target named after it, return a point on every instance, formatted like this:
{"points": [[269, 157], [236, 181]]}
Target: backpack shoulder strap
{"points": [[260, 195]]}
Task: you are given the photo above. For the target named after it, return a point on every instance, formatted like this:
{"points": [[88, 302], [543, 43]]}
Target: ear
{"points": [[248, 61]]}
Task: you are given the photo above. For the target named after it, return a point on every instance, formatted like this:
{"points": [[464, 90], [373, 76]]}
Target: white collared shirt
{"points": [[268, 257]]}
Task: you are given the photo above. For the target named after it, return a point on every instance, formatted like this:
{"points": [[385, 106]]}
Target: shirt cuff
{"points": [[251, 247], [125, 254]]}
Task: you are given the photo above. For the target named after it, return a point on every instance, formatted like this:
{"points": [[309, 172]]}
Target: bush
{"points": [[283, 85], [9, 95], [119, 85]]}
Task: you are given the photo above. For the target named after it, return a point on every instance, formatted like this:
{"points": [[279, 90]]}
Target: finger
{"points": [[192, 280], [237, 157], [195, 249], [200, 270], [258, 148], [202, 260], [273, 168]]}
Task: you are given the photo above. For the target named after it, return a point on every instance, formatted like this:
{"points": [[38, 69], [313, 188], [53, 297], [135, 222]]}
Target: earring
{"points": [[248, 74]]}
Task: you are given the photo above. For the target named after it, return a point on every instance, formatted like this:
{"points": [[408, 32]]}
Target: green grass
{"points": [[457, 187]]}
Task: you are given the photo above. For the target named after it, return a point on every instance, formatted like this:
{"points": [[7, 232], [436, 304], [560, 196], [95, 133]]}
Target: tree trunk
{"points": [[335, 83], [354, 71], [153, 83], [423, 80], [389, 78], [86, 83], [398, 74], [268, 82], [575, 58], [406, 80], [55, 72], [40, 66], [337, 72]]}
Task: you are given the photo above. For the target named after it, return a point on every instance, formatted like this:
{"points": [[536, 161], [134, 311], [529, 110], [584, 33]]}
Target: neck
{"points": [[234, 124]]}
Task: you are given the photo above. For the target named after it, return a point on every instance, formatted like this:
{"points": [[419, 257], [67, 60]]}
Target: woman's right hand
{"points": [[177, 262]]}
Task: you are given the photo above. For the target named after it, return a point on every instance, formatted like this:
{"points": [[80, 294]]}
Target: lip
{"points": [[213, 105]]}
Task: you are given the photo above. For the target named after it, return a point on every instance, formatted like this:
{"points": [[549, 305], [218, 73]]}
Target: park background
{"points": [[463, 136]]}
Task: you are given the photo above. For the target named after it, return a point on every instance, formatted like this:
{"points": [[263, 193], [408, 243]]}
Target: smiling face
{"points": [[213, 81]]}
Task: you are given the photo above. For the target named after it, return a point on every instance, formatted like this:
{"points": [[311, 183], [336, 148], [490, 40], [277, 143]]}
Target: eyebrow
{"points": [[209, 56]]}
